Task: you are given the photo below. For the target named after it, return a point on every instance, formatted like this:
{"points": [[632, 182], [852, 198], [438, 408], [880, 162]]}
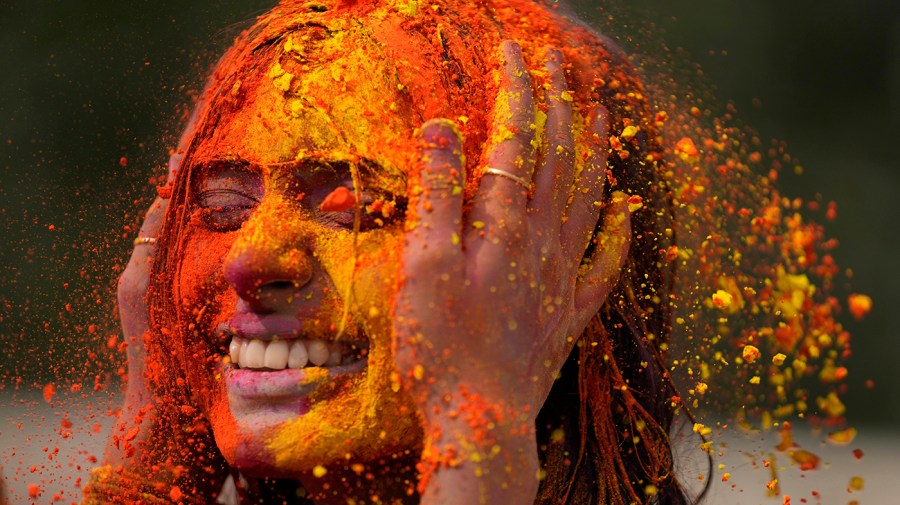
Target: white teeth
{"points": [[298, 357], [243, 350], [234, 350], [276, 355], [255, 354], [279, 354], [334, 356], [318, 352]]}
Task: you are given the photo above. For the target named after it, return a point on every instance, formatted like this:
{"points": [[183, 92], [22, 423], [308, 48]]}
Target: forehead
{"points": [[312, 92]]}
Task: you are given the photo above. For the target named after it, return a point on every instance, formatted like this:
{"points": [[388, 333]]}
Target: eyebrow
{"points": [[205, 167]]}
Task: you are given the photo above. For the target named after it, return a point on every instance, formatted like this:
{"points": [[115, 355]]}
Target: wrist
{"points": [[109, 484], [477, 450], [468, 472]]}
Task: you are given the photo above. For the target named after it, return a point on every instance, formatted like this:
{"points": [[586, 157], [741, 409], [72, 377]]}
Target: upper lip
{"points": [[249, 325], [269, 327]]}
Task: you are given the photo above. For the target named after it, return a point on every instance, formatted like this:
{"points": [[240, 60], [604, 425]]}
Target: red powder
{"points": [[339, 200], [164, 192], [49, 392]]}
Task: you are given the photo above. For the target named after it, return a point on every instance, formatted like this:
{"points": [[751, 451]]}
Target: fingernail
{"points": [[441, 133], [510, 50], [554, 55]]}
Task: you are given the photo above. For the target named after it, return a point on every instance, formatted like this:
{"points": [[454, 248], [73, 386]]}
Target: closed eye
{"points": [[224, 210], [226, 196]]}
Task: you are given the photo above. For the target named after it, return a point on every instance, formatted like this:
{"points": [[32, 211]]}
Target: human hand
{"points": [[132, 298], [142, 445], [491, 302]]}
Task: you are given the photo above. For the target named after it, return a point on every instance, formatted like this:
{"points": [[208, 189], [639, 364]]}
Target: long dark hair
{"points": [[603, 433]]}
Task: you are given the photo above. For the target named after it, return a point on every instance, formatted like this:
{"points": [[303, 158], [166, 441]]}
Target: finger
{"points": [[132, 287], [600, 275], [503, 192], [436, 199], [554, 175], [132, 293], [584, 207]]}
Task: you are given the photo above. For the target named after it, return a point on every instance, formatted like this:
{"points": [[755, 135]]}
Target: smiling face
{"points": [[289, 308], [277, 313]]}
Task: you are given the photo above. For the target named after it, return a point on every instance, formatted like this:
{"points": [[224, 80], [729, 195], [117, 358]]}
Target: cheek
{"points": [[378, 267], [201, 281], [204, 302], [374, 278]]}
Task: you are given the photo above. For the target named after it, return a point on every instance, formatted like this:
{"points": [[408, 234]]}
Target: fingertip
{"points": [[441, 147], [553, 66], [617, 216], [513, 65], [618, 199], [440, 133], [609, 257], [597, 135], [442, 176], [435, 193], [511, 50], [553, 57]]}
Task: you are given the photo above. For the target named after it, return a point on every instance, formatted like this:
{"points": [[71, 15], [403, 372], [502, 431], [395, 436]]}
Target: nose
{"points": [[268, 264]]}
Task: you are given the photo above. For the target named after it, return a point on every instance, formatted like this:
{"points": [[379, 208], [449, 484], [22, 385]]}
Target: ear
{"points": [[601, 274]]}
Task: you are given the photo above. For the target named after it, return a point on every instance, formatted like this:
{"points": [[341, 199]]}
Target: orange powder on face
{"points": [[440, 61], [373, 407], [331, 97]]}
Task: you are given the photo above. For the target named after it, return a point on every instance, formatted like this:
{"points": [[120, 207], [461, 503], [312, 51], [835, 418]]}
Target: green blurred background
{"points": [[93, 93]]}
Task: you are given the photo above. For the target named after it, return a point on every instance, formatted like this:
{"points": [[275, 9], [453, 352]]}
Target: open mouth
{"points": [[293, 353]]}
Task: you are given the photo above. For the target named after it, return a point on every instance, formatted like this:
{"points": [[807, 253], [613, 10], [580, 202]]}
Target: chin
{"points": [[284, 423]]}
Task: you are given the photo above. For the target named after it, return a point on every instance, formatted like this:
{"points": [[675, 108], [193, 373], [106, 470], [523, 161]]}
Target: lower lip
{"points": [[287, 384]]}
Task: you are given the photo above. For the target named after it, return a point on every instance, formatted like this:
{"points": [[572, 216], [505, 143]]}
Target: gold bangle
{"points": [[144, 241]]}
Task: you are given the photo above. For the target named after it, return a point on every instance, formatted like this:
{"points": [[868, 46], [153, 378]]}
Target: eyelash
{"points": [[224, 218]]}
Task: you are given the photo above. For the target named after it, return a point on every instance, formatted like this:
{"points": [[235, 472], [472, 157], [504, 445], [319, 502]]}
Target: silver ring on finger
{"points": [[513, 177]]}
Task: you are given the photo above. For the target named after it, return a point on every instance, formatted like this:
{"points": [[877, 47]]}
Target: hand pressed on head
{"points": [[492, 300]]}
